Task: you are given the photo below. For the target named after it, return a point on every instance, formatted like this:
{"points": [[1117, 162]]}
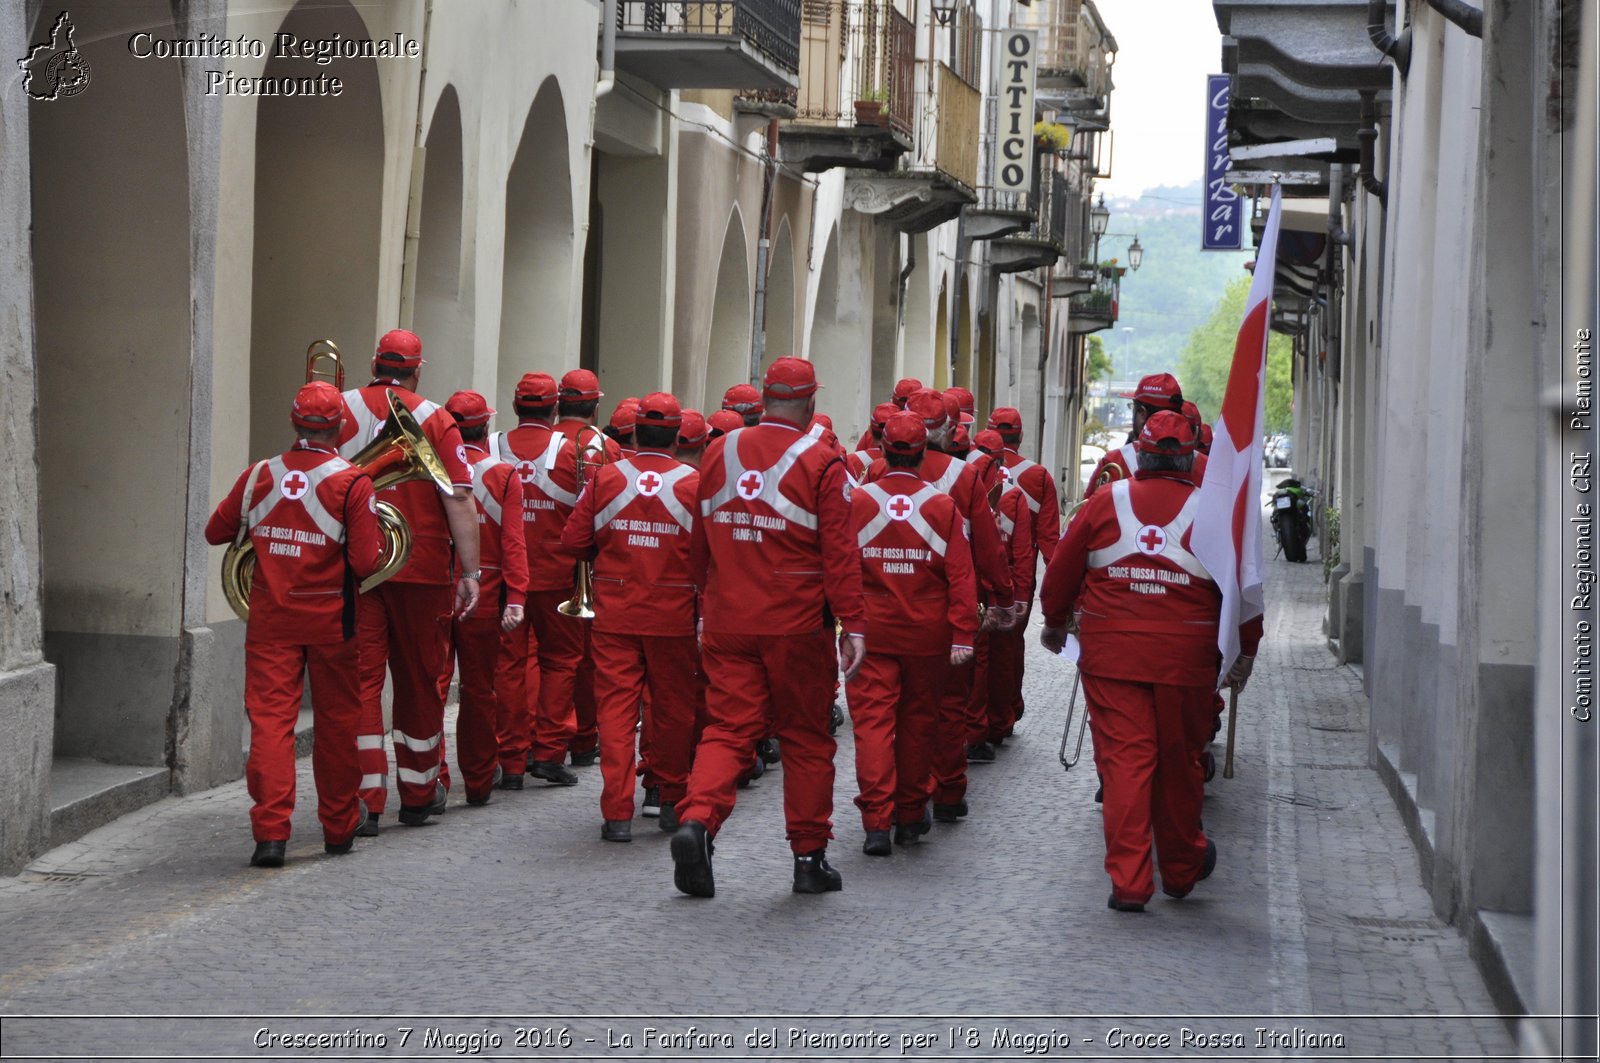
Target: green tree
{"points": [[1207, 357], [1096, 363]]}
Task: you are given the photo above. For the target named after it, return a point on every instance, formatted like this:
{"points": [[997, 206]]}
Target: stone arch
{"points": [[963, 369], [318, 213], [916, 358], [939, 378], [1029, 381], [113, 315], [728, 356], [829, 340], [443, 318], [536, 286], [780, 296]]}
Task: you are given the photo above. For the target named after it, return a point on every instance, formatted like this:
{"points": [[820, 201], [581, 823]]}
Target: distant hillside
{"points": [[1177, 287]]}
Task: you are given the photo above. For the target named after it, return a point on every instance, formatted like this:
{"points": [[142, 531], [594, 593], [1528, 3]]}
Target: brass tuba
{"points": [[1107, 474], [580, 606], [400, 452], [325, 350]]}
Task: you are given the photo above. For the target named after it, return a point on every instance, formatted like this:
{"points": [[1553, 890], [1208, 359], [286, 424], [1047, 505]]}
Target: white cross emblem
{"points": [[294, 485], [750, 485], [1151, 540]]}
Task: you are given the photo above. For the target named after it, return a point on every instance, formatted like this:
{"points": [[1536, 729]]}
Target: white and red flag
{"points": [[1227, 526]]}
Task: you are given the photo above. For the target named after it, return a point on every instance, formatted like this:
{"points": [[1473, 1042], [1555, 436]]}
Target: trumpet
{"points": [[591, 454], [401, 452]]}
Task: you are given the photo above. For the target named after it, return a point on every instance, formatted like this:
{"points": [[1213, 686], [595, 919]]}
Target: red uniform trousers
{"points": [[272, 698], [978, 704], [556, 647], [626, 666], [585, 703], [894, 701], [1003, 698], [1145, 740], [479, 647], [747, 673], [517, 696], [950, 736], [404, 627]]}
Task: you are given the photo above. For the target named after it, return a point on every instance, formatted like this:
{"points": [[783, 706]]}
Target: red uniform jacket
{"points": [[963, 482], [773, 547], [582, 433], [916, 569], [638, 514], [858, 463], [419, 501], [547, 464], [311, 516], [1125, 458], [503, 558], [1014, 520], [1040, 487], [1147, 609]]}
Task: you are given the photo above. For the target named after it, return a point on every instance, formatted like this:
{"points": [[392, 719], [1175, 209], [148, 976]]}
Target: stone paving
{"points": [[1315, 919]]}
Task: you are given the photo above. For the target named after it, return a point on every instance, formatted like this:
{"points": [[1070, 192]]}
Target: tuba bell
{"points": [[591, 455], [399, 453], [1107, 475]]}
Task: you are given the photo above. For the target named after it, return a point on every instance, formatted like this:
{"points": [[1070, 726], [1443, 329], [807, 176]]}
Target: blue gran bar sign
{"points": [[1224, 210]]}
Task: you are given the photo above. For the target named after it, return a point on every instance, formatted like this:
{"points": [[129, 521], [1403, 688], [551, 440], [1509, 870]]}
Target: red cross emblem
{"points": [[1005, 474], [750, 485], [1151, 540], [294, 485], [901, 508], [648, 484], [525, 471]]}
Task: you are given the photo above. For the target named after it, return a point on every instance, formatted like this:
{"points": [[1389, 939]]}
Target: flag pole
{"points": [[1233, 716]]}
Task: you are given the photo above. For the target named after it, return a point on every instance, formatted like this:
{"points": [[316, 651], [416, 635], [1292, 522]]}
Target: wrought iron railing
{"points": [[1099, 302], [1071, 43], [1056, 205], [856, 51], [772, 27]]}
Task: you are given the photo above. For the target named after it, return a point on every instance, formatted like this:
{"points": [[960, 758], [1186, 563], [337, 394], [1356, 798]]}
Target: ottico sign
{"points": [[1013, 142]]}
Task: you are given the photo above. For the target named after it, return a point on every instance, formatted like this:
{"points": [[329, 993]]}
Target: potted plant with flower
{"points": [[872, 107]]}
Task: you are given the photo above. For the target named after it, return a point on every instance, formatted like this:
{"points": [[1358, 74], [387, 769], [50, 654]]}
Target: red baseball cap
{"points": [[692, 433], [960, 438], [963, 398], [952, 408], [904, 433], [1157, 389], [823, 419], [904, 389], [989, 441], [399, 349], [881, 414], [724, 421], [536, 389], [469, 408], [580, 385], [1005, 419], [1191, 413], [318, 406], [790, 378], [659, 409], [927, 404], [1205, 438], [743, 398], [622, 417], [1163, 426]]}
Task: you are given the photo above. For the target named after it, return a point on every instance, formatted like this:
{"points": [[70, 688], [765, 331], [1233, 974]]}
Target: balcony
{"points": [[930, 186], [1094, 310], [857, 97], [1055, 215], [1074, 51], [710, 44]]}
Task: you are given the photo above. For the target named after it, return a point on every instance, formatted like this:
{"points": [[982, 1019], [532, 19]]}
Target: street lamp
{"points": [[1135, 253], [1099, 217], [943, 9]]}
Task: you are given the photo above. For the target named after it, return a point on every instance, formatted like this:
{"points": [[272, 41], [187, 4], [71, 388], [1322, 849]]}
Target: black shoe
{"points": [[510, 782], [767, 750], [483, 798], [759, 769], [813, 874], [552, 772], [691, 859], [1208, 764], [617, 830], [908, 833], [585, 759], [415, 817], [1210, 863], [668, 821], [268, 854], [1100, 794], [349, 843], [981, 753], [950, 813], [835, 719], [877, 843], [369, 826], [652, 801], [1123, 906]]}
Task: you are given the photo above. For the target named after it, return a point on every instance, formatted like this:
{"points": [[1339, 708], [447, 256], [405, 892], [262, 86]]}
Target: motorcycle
{"points": [[1291, 518]]}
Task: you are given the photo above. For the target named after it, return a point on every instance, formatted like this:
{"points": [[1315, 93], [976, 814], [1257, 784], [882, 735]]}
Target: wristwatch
{"points": [[475, 576]]}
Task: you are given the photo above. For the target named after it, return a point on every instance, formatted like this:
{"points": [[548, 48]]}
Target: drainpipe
{"points": [[1395, 48], [1466, 16], [900, 300], [1337, 236], [419, 157], [608, 49], [1368, 135], [758, 333]]}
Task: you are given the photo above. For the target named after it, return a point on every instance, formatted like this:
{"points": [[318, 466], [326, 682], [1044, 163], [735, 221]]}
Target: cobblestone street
{"points": [[518, 908]]}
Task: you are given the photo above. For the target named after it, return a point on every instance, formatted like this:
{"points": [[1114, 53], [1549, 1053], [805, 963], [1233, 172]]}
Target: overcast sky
{"points": [[1165, 50]]}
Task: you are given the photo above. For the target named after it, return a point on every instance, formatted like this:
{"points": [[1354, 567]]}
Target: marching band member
{"points": [[404, 623], [311, 516], [620, 427], [1155, 392], [857, 463], [722, 422], [744, 400], [692, 438]]}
